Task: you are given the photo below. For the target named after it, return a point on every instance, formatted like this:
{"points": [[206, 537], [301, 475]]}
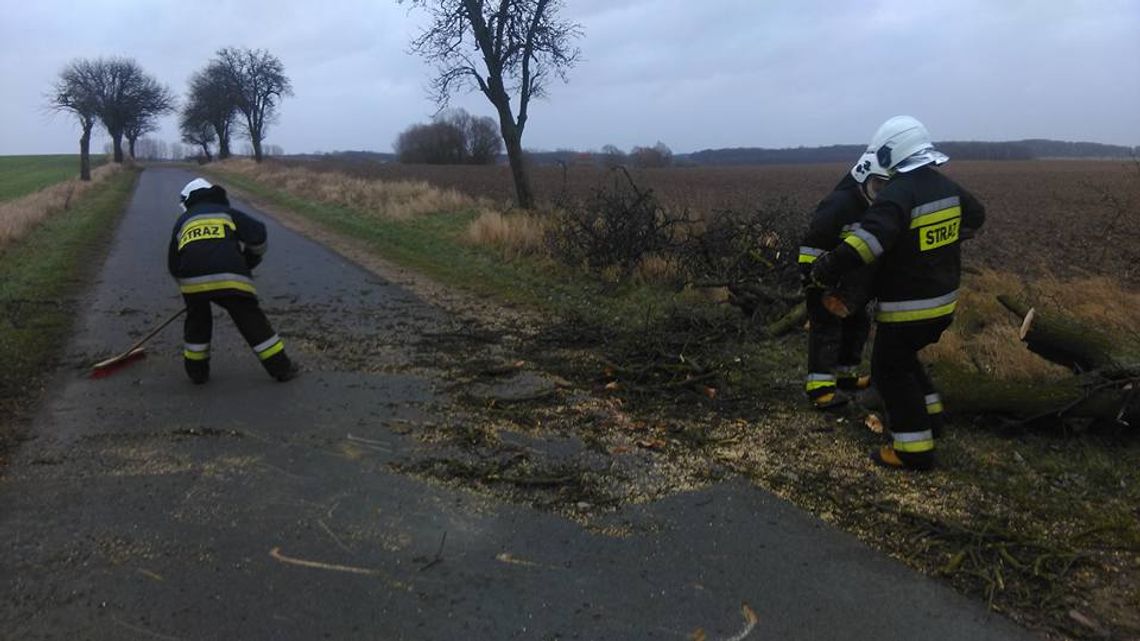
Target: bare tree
{"points": [[257, 82], [659, 155], [77, 91], [152, 101], [128, 97], [453, 137], [197, 131], [612, 156], [481, 141], [212, 99], [520, 43], [438, 143]]}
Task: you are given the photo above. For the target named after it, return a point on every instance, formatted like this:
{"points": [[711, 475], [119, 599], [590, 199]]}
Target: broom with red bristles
{"points": [[134, 352]]}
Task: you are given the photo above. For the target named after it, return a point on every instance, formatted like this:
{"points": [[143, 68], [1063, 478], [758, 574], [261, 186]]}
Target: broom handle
{"points": [[156, 330]]}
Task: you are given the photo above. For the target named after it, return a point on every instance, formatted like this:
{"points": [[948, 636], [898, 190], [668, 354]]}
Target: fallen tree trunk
{"points": [[1108, 387], [1078, 346]]}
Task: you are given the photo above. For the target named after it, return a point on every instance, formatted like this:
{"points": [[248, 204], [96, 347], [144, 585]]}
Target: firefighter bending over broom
{"points": [[213, 250]]}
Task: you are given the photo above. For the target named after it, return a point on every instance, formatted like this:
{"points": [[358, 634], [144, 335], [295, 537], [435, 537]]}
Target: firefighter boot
{"points": [[281, 367], [853, 382], [888, 456], [198, 370], [833, 399], [821, 391]]}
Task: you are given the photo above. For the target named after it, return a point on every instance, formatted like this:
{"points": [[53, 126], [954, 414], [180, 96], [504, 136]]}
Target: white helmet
{"points": [[192, 186], [868, 166], [903, 144]]}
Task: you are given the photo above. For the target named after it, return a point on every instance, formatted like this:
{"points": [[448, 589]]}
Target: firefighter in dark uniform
{"points": [[913, 232], [213, 250], [836, 336]]}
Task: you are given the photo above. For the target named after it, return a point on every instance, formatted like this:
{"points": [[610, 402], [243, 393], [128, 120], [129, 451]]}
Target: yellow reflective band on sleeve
{"points": [[210, 286], [809, 254], [271, 350], [865, 250]]}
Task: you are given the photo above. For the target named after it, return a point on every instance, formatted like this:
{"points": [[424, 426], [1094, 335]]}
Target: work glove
{"points": [[823, 272], [834, 303]]}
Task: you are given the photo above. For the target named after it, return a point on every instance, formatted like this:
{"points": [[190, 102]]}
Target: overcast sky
{"points": [[694, 74]]}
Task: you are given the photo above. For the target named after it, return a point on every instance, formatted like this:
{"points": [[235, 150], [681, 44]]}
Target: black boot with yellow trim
{"points": [[908, 451], [822, 392]]}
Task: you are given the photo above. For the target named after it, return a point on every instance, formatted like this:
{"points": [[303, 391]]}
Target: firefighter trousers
{"points": [[834, 343], [902, 380], [251, 322]]}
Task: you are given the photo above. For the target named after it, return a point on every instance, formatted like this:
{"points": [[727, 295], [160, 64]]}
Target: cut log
{"points": [[1109, 388], [1071, 343]]}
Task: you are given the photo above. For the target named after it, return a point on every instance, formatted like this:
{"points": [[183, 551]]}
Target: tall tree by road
{"points": [[258, 83], [151, 101], [197, 131], [127, 95], [520, 43], [211, 100], [77, 91]]}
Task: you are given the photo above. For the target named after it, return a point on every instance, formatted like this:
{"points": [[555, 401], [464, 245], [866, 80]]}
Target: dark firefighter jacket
{"points": [[213, 247], [835, 217], [913, 230]]}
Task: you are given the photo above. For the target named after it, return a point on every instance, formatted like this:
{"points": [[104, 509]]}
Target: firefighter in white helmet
{"points": [[838, 333], [913, 231], [213, 250]]}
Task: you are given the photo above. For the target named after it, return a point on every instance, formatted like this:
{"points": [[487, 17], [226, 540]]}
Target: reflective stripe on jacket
{"points": [[206, 249], [913, 231], [836, 216]]}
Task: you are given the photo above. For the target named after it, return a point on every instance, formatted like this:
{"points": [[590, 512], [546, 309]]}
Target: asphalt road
{"points": [[148, 508]]}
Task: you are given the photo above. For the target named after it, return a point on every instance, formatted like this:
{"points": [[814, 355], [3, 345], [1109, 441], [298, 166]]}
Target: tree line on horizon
{"points": [[117, 93]]}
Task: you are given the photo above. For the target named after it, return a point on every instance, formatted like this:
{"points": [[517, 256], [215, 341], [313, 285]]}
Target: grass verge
{"points": [[40, 276], [21, 175]]}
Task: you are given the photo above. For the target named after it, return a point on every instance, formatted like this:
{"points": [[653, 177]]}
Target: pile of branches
{"points": [[614, 229], [751, 254]]}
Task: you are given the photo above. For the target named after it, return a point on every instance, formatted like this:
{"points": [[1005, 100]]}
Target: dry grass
{"points": [[20, 216], [655, 269], [513, 235], [985, 334], [395, 200]]}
